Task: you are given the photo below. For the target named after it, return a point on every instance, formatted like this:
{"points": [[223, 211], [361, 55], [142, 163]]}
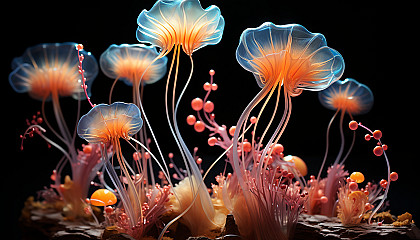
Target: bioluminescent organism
{"points": [[132, 63], [106, 125], [48, 72], [136, 65], [345, 97], [285, 197], [174, 25], [378, 150], [279, 56], [103, 197], [352, 203]]}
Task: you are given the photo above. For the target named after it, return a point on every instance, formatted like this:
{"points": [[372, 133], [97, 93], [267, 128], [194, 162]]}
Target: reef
{"points": [[124, 183], [39, 222]]}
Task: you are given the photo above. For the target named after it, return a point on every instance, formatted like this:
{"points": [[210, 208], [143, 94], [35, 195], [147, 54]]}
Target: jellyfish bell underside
{"points": [[347, 95], [129, 62], [51, 68], [105, 122]]}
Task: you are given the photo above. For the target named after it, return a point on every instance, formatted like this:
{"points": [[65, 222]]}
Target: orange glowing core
{"points": [[131, 68], [57, 80], [345, 103]]}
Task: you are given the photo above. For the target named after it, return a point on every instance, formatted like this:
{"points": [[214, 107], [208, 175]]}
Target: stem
{"points": [[327, 145]]}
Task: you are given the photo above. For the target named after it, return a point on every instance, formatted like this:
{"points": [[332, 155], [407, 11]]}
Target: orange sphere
{"points": [[103, 197], [199, 126], [357, 177], [300, 165]]}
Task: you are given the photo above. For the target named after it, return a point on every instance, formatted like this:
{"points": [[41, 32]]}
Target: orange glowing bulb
{"points": [[103, 197], [300, 165], [357, 177]]}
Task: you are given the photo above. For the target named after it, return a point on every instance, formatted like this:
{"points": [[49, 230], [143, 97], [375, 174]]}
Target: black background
{"points": [[375, 48]]}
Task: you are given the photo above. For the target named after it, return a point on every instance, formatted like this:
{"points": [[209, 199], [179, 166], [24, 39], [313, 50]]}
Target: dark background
{"points": [[374, 46]]}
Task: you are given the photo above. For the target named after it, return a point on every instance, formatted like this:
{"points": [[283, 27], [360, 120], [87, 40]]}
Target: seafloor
{"points": [[38, 222]]}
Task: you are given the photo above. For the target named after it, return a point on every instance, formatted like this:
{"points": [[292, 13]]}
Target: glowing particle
{"points": [[246, 146], [353, 186], [377, 134], [212, 72], [353, 125], [214, 87], [209, 107], [300, 165], [357, 177], [212, 141], [393, 176], [323, 199], [253, 120], [207, 86], [368, 137], [191, 120], [378, 151], [383, 183], [103, 197], [232, 130], [199, 126], [197, 104], [278, 149]]}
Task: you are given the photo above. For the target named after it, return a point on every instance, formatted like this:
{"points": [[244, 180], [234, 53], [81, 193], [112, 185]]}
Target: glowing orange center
{"points": [[345, 103], [103, 197], [131, 68], [113, 128], [61, 80]]}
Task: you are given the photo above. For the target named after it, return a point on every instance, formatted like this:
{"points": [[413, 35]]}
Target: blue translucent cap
{"points": [[348, 95], [128, 62], [49, 67], [180, 22], [104, 122], [290, 55]]}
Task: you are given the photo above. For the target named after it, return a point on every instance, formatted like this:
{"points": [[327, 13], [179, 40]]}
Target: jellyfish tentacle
{"points": [[112, 89], [272, 116], [342, 139], [327, 144]]}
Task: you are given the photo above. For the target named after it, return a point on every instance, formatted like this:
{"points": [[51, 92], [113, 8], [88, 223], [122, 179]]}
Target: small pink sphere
{"points": [[199, 126], [191, 120], [393, 176], [207, 86], [353, 186], [353, 125], [214, 87], [209, 107], [212, 72], [212, 141], [377, 134], [253, 120], [197, 104], [378, 151], [171, 155], [324, 199]]}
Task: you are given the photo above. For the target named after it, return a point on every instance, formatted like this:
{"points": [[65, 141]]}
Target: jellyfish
{"points": [[287, 57], [128, 62], [347, 97], [106, 125], [48, 72], [136, 65], [174, 25]]}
